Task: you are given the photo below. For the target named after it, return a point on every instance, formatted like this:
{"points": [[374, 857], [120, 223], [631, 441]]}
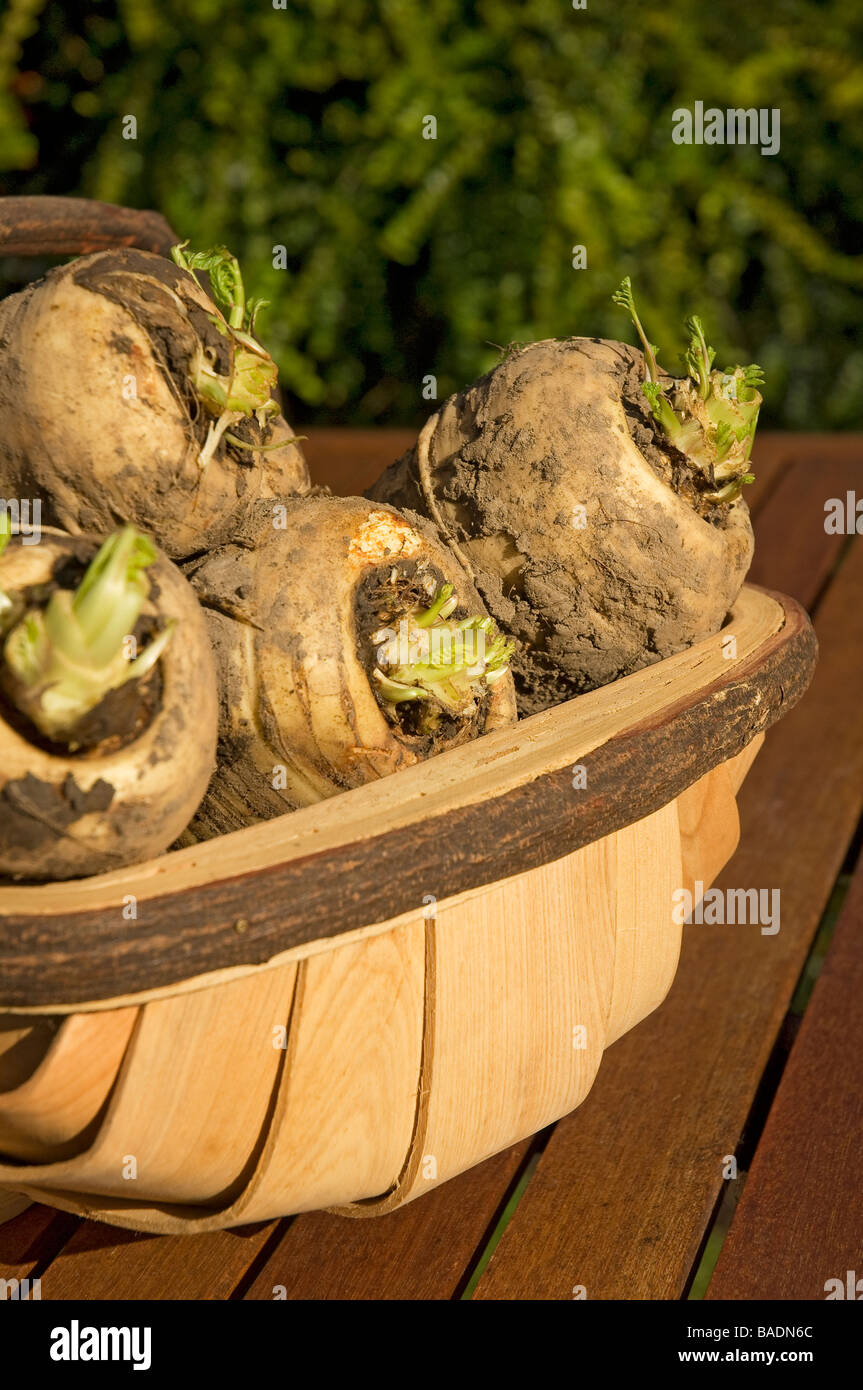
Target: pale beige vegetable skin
{"points": [[306, 612]]}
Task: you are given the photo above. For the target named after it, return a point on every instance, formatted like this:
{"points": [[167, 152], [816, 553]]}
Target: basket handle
{"points": [[49, 226]]}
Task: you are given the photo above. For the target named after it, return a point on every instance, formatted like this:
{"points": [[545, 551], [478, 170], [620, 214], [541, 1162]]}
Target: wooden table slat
{"points": [[102, 1262], [349, 461], [792, 546], [32, 1240], [772, 455], [799, 1222], [421, 1251]]}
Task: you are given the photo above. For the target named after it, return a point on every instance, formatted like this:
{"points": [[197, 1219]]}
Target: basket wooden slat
{"points": [[199, 1059], [47, 1116], [519, 986], [345, 1109]]}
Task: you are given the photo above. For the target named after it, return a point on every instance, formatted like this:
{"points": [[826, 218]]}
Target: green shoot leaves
{"points": [[624, 299], [699, 358], [225, 278], [709, 415], [6, 603], [446, 664], [61, 660], [247, 388]]}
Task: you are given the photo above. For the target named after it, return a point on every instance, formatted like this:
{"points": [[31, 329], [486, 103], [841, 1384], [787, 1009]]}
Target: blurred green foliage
{"points": [[303, 127]]}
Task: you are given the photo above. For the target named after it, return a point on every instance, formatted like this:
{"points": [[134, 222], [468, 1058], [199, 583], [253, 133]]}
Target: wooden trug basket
{"points": [[351, 1004], [445, 955]]}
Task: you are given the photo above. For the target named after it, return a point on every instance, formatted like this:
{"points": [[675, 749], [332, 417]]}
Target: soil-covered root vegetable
{"points": [[350, 644], [128, 395], [594, 501], [108, 703]]}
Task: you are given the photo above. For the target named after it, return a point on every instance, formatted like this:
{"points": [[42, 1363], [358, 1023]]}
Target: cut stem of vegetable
{"points": [[447, 664], [249, 387], [61, 661]]}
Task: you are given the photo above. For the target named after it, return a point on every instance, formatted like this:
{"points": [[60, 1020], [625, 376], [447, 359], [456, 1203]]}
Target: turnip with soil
{"points": [[108, 710], [594, 500], [128, 395], [350, 644]]}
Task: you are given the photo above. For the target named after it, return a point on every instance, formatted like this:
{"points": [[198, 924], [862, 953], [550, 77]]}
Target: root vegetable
{"points": [[108, 708], [350, 645], [594, 501], [128, 395]]}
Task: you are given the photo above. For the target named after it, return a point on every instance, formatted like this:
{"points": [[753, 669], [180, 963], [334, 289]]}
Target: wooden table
{"points": [[627, 1197]]}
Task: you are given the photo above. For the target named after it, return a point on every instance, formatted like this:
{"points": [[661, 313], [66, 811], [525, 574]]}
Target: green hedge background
{"points": [[303, 127]]}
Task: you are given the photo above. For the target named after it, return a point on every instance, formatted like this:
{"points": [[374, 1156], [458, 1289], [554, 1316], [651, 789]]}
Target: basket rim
{"points": [[47, 225], [489, 810]]}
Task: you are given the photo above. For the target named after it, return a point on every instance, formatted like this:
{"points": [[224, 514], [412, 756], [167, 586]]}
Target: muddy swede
{"points": [[594, 500], [350, 644], [108, 709], [128, 395]]}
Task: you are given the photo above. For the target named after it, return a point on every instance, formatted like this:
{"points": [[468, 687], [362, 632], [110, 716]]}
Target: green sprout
{"points": [[623, 298], [60, 661], [6, 603], [248, 389], [710, 416], [445, 664]]}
